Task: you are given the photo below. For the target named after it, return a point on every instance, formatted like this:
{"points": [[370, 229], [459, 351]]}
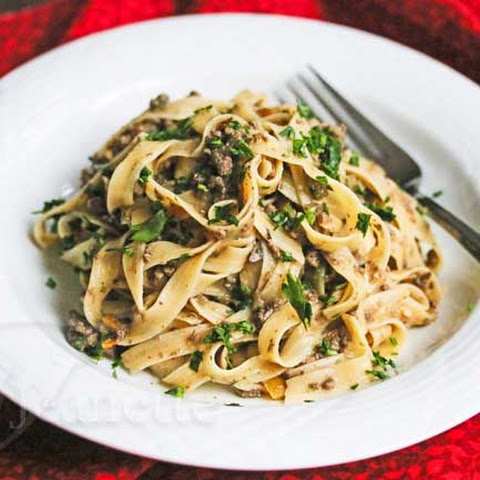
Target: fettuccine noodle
{"points": [[243, 244]]}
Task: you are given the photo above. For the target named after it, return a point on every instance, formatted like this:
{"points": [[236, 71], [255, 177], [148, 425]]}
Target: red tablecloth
{"points": [[446, 29]]}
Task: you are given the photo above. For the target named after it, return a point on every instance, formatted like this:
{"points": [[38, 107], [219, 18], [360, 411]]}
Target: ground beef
{"points": [[328, 384], [96, 206], [159, 101], [223, 161], [122, 139], [253, 393], [314, 258], [79, 333], [338, 338], [218, 187], [86, 175]]}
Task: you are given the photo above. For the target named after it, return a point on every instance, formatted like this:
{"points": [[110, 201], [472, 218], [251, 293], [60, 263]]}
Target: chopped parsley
{"points": [[235, 124], [300, 147], [68, 242], [51, 283], [380, 374], [363, 221], [322, 179], [150, 229], [359, 190], [380, 366], [305, 111], [393, 341], [243, 297], [437, 193], [385, 213], [223, 213], [145, 173], [325, 208], [202, 187], [48, 205], [195, 360], [286, 257], [215, 142], [287, 217], [382, 362], [470, 307], [115, 364], [223, 333], [241, 149], [288, 132], [293, 291], [310, 216], [354, 159], [177, 392], [325, 348], [181, 131], [354, 387]]}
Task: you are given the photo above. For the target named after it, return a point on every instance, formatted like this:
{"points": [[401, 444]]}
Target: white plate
{"points": [[61, 107]]}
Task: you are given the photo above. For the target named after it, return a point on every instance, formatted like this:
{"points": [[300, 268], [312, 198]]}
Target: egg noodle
{"points": [[243, 244]]}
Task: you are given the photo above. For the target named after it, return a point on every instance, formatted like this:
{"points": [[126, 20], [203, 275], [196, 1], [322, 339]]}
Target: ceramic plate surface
{"points": [[59, 108]]}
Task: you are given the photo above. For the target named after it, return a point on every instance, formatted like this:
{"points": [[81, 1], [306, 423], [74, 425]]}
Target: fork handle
{"points": [[465, 235]]}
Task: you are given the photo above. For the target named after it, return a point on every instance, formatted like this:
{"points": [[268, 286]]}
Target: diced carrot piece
{"points": [[110, 343], [275, 387], [111, 322]]}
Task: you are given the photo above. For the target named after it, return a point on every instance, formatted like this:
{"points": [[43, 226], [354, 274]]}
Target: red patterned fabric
{"points": [[446, 29]]}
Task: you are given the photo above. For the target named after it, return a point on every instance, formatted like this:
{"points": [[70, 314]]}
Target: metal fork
{"points": [[324, 100]]}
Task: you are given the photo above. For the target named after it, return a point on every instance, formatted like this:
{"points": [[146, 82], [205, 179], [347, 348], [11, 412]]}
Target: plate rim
{"points": [[9, 77]]}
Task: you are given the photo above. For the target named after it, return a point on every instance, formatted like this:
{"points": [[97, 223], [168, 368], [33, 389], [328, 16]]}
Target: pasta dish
{"points": [[245, 245]]}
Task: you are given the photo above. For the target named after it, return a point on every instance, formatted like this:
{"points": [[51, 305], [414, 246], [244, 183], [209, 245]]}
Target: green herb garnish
{"points": [[287, 217], [286, 257], [223, 213], [437, 193], [181, 131], [354, 159], [177, 392], [241, 149], [288, 132], [322, 179], [380, 374], [363, 220], [195, 360], [300, 147], [145, 173], [310, 216], [223, 333], [305, 111], [235, 124], [325, 348], [51, 283], [393, 341], [381, 366], [150, 229], [385, 213], [215, 142], [48, 205], [293, 291]]}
